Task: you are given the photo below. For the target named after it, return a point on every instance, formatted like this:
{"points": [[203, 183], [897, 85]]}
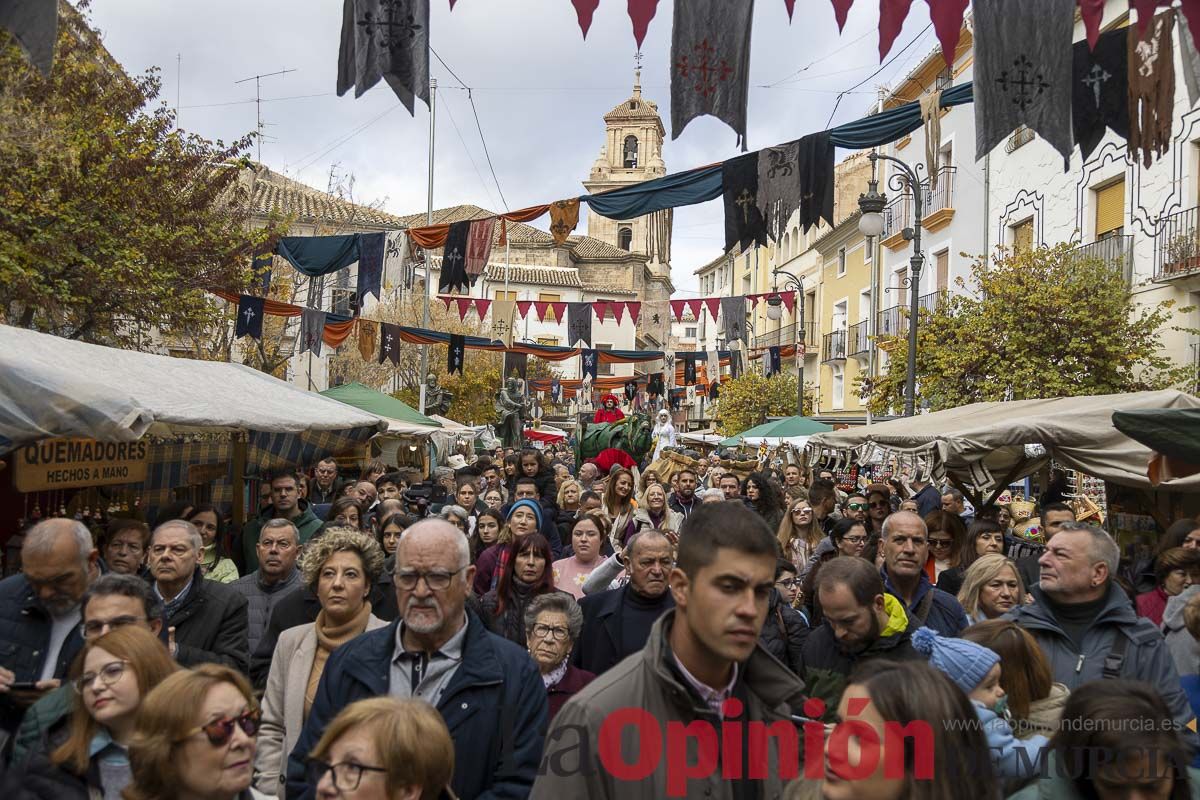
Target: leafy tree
{"points": [[1040, 323], [113, 223], [750, 398]]}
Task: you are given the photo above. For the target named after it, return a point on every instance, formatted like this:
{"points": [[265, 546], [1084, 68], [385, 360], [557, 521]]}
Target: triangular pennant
{"points": [[789, 300], [947, 18], [600, 307], [713, 304], [541, 307], [481, 307], [790, 5], [523, 307], [892, 14], [640, 13], [753, 298], [618, 310], [584, 10], [840, 9], [445, 300], [635, 308], [677, 309], [559, 310], [694, 306], [1092, 12], [463, 304]]}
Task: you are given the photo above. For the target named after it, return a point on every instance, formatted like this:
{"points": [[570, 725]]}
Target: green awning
{"points": [[378, 403], [786, 428], [1174, 432]]}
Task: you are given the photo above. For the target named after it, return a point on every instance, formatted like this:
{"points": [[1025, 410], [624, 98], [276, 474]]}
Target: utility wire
{"points": [[307, 162], [478, 126], [474, 166], [882, 67], [264, 100], [825, 57]]}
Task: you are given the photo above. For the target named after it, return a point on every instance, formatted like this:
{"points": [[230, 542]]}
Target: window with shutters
{"points": [[1110, 210], [546, 297], [942, 262], [601, 367], [551, 341], [1022, 236], [838, 386], [503, 295]]}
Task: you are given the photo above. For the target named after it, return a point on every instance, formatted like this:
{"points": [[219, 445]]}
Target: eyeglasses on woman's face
{"points": [[788, 583], [854, 539], [940, 543], [220, 731], [346, 776], [109, 674], [541, 631], [801, 511]]}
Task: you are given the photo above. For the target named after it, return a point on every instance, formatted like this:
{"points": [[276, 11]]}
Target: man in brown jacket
{"points": [[657, 724]]}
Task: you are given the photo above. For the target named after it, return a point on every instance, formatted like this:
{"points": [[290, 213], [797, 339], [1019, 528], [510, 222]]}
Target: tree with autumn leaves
{"points": [[113, 222], [1045, 322], [751, 398]]}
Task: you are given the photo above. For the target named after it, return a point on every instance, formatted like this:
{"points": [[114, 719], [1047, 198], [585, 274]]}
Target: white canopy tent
{"points": [[52, 387], [986, 446]]}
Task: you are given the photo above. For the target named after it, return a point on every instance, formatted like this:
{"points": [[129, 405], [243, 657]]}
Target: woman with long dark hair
{"points": [[764, 496], [618, 506], [213, 563], [946, 535], [983, 538], [526, 574], [488, 525]]}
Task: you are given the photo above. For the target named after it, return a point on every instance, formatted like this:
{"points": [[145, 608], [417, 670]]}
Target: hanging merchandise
{"points": [[516, 364], [744, 224], [1023, 71], [564, 216], [1100, 90], [453, 277], [368, 339], [319, 255], [773, 361], [689, 369], [733, 320], [503, 312], [249, 317], [579, 323], [710, 63], [1151, 88], [370, 265], [479, 246], [816, 179], [778, 186], [589, 364], [386, 39], [312, 328], [455, 353], [389, 343]]}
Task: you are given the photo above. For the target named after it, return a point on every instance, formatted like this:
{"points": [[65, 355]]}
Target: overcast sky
{"points": [[540, 91]]}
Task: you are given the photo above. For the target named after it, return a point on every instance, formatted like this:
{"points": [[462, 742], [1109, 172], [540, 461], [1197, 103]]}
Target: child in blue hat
{"points": [[976, 670]]}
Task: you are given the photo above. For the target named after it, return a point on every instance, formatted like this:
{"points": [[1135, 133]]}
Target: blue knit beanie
{"points": [[532, 505], [965, 663]]}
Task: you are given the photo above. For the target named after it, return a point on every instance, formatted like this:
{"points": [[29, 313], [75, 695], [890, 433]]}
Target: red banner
{"points": [[714, 305], [523, 307], [463, 303], [482, 306], [635, 308]]}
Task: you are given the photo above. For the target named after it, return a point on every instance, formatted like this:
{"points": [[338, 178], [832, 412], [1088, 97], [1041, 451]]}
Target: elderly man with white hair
{"points": [[206, 621], [39, 613]]}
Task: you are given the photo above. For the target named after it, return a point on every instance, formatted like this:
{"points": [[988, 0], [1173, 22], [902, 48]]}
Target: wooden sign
{"points": [[69, 463]]}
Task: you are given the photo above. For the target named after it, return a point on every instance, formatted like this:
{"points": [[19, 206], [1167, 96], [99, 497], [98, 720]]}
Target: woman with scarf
{"points": [[524, 518], [653, 513], [213, 563], [526, 574]]}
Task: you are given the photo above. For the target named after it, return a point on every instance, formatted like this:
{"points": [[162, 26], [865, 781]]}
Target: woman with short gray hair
{"points": [[552, 624]]}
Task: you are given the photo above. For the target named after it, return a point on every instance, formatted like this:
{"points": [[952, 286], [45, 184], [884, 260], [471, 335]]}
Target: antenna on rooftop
{"points": [[258, 102]]}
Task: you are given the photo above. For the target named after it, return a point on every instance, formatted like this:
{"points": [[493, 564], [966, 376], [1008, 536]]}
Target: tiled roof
{"points": [[608, 290], [274, 193], [540, 276]]}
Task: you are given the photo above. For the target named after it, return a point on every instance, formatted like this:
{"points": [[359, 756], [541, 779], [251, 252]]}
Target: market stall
{"points": [[143, 428], [406, 441], [794, 431]]}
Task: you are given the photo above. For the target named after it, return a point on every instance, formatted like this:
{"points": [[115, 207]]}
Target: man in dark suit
{"points": [[617, 623]]}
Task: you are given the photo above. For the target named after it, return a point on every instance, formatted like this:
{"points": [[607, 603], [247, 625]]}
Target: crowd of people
{"points": [[480, 631]]}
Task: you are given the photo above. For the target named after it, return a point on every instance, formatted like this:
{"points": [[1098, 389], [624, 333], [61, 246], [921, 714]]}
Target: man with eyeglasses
{"points": [[617, 622], [325, 484], [39, 613], [278, 549], [486, 688], [206, 621], [112, 601], [905, 544]]}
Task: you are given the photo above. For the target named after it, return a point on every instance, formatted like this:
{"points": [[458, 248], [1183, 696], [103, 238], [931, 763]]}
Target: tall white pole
{"points": [[428, 259]]}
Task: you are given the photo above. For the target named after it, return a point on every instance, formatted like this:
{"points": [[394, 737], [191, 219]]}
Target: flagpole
{"points": [[428, 258]]}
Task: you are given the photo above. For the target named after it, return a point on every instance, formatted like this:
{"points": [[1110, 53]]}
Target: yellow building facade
{"points": [[846, 356]]}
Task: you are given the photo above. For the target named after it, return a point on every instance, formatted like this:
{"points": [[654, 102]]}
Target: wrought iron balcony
{"points": [[1115, 250], [1177, 245], [859, 338], [894, 321], [835, 346], [937, 208], [786, 336]]}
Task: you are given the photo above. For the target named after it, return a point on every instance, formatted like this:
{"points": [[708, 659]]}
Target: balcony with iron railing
{"points": [[1177, 245], [894, 321], [835, 346], [1116, 250], [786, 335], [859, 338], [937, 209]]}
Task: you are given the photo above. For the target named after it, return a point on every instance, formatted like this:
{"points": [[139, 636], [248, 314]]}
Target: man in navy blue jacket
{"points": [[487, 689]]}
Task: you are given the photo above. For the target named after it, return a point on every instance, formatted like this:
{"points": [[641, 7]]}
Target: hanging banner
{"points": [[69, 463]]}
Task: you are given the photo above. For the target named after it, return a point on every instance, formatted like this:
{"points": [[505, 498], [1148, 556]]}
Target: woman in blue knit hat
{"points": [[976, 670]]}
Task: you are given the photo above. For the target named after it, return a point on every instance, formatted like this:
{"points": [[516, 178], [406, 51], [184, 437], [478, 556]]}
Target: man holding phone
{"points": [[39, 613]]}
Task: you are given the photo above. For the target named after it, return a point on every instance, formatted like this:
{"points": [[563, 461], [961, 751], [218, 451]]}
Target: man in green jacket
{"points": [[285, 504]]}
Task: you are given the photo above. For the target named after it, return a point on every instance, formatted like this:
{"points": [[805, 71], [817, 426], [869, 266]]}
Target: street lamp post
{"points": [[775, 311], [871, 224]]}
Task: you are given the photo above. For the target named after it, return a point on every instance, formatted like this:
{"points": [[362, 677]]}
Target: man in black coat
{"points": [[617, 623], [206, 621]]}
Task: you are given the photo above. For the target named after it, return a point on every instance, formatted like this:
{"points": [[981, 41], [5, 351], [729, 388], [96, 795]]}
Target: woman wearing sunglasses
{"points": [[115, 671], [383, 749], [341, 567], [195, 737]]}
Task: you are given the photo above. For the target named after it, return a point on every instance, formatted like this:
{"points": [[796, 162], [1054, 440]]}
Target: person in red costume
{"points": [[608, 411]]}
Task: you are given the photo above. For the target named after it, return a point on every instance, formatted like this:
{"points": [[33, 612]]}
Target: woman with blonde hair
{"points": [[115, 672], [195, 737], [799, 534], [340, 566], [568, 507], [619, 506], [991, 587], [383, 747], [653, 513]]}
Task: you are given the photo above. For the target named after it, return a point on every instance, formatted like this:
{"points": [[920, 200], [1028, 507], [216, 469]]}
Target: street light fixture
{"points": [[906, 179], [775, 311]]}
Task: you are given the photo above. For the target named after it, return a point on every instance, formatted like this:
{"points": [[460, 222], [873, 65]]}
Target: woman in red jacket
{"points": [[609, 412]]}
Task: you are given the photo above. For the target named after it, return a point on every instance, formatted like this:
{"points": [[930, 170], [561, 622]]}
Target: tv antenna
{"points": [[258, 102]]}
